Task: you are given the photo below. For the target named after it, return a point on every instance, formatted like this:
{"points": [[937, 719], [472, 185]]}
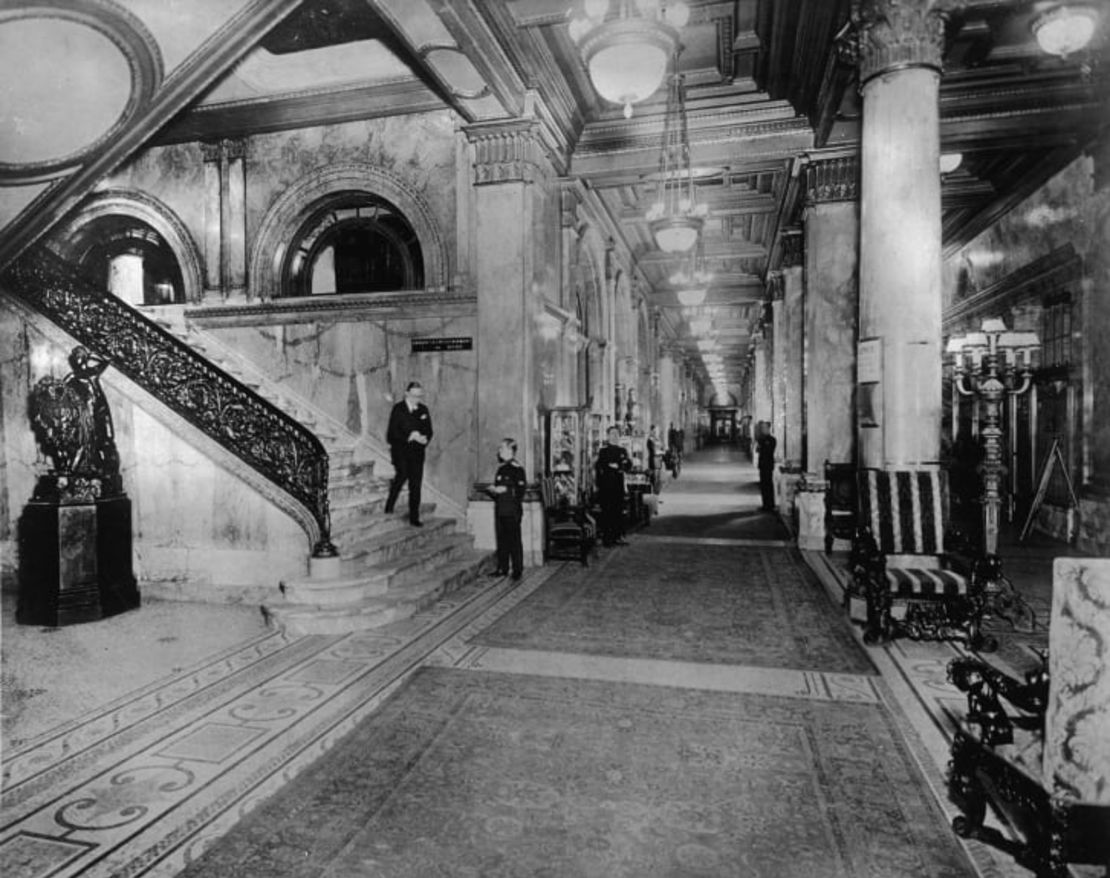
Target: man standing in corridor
{"points": [[765, 448], [410, 428]]}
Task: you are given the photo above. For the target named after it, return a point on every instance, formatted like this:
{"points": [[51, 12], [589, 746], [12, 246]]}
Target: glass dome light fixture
{"points": [[676, 218], [626, 53], [1065, 28], [692, 280]]}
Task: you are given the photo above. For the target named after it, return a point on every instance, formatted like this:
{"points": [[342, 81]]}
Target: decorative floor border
{"points": [[142, 787]]}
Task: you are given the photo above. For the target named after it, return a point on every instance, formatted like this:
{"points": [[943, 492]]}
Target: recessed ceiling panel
{"points": [[62, 87]]}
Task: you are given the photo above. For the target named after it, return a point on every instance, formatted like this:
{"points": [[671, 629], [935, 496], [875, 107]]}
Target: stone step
{"points": [[374, 611], [394, 540], [422, 554], [357, 522]]}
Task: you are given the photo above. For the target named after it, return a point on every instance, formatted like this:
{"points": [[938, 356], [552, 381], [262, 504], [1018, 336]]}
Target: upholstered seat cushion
{"points": [[910, 582]]}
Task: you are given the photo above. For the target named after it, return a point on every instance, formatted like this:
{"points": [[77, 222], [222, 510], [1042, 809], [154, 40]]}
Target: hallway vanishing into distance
{"points": [[693, 703]]}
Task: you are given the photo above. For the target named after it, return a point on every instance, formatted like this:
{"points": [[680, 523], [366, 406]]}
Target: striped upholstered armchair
{"points": [[915, 584]]}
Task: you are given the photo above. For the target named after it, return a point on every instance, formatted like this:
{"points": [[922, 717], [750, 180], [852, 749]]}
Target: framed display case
{"points": [[565, 461]]}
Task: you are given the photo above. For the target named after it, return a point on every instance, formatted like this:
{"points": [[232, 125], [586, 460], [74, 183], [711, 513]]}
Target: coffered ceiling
{"points": [[767, 84]]}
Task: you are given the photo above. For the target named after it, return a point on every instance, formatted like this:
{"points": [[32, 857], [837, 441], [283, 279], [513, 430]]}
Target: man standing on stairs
{"points": [[410, 428]]}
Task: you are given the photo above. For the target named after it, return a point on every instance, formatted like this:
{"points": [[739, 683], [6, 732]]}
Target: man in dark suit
{"points": [[410, 428], [765, 449]]}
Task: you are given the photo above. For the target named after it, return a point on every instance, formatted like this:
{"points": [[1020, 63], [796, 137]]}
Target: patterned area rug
{"points": [[470, 774], [740, 524], [688, 602]]}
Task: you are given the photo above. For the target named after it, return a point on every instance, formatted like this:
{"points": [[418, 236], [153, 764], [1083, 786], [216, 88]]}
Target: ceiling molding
{"points": [[303, 109]]}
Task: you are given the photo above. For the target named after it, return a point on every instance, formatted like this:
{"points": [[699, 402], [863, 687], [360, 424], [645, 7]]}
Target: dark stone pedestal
{"points": [[75, 561]]}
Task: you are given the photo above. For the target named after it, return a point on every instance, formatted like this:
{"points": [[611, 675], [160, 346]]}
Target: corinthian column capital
{"points": [[896, 34]]}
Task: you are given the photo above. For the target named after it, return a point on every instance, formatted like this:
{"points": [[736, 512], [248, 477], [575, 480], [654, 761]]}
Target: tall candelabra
{"points": [[991, 365]]}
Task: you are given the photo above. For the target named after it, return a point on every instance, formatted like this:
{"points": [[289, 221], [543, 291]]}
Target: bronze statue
{"points": [[73, 425]]}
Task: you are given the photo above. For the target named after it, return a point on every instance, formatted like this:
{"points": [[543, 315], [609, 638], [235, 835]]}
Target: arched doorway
{"points": [[128, 257]]}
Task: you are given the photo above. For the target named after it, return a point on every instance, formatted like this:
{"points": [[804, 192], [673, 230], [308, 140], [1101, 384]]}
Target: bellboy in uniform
{"points": [[508, 489], [410, 428]]}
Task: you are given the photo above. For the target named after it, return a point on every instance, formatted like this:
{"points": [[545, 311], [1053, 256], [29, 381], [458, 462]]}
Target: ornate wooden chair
{"points": [[840, 503], [570, 530], [1038, 749], [915, 585]]}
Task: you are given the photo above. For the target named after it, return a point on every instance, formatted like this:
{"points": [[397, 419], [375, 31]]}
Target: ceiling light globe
{"points": [[627, 58], [949, 161], [691, 297], [676, 234], [1065, 29]]}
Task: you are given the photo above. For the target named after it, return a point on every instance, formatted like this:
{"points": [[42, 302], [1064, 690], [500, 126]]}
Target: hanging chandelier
{"points": [[691, 281], [626, 53], [676, 218]]}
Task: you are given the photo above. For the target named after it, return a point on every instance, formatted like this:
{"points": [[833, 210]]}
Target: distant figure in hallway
{"points": [[655, 459], [765, 444], [611, 465], [410, 429], [509, 484]]}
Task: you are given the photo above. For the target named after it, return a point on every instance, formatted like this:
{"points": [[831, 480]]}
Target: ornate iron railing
{"points": [[267, 439]]}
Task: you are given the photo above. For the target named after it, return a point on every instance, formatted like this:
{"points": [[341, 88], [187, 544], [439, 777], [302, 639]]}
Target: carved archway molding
{"points": [[156, 214], [284, 218]]}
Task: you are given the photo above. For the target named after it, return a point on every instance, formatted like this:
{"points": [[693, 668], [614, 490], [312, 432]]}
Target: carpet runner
{"points": [[692, 602], [465, 773]]}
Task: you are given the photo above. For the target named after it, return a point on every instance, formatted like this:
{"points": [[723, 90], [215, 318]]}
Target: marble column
{"points": [[901, 45], [213, 222], [831, 307], [509, 230], [234, 225], [792, 440], [778, 360], [225, 224], [761, 397]]}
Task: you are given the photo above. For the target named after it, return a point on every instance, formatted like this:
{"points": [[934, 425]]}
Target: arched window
{"points": [[353, 242], [129, 258]]}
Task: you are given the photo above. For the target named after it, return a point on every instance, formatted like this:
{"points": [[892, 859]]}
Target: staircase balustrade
{"points": [[261, 435]]}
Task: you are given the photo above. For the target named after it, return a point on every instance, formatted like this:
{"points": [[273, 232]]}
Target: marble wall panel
{"points": [[418, 148], [1067, 210], [831, 316], [355, 370]]}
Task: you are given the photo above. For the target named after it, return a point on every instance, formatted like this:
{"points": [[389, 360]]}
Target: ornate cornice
{"points": [[227, 148], [507, 152], [897, 34], [832, 179]]}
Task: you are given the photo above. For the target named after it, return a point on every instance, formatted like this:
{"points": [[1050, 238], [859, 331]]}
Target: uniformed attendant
{"points": [[611, 465], [410, 428], [509, 485]]}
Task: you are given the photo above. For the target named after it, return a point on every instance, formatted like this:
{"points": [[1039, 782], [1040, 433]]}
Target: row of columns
{"points": [[855, 310]]}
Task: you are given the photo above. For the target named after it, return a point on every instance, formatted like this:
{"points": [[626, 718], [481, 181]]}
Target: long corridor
{"points": [[693, 703]]}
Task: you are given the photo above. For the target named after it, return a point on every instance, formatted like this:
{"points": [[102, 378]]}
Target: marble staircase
{"points": [[388, 569]]}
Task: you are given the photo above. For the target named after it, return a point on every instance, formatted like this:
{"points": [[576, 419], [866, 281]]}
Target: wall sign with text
{"points": [[450, 343]]}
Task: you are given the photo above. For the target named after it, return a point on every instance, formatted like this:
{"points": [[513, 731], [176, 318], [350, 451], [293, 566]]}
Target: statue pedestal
{"points": [[75, 561]]}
